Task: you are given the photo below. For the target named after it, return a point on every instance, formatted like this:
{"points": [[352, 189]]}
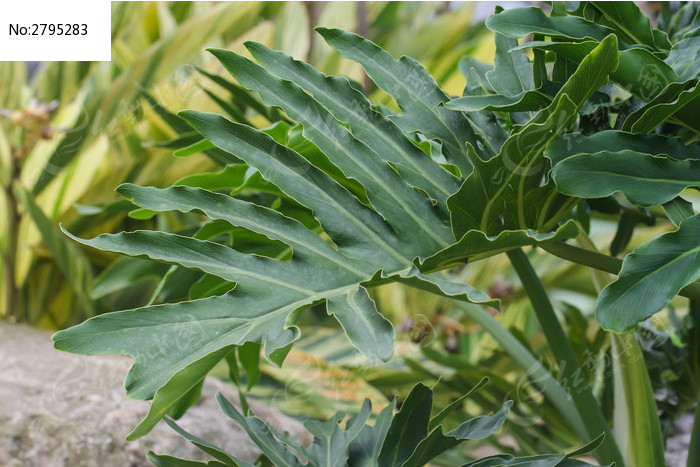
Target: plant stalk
{"points": [[571, 374], [603, 262]]}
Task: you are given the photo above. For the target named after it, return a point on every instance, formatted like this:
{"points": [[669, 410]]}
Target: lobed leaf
{"points": [[349, 105], [388, 193], [414, 90]]}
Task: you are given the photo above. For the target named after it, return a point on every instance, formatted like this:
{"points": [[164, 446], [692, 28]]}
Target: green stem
{"points": [[603, 262], [535, 371], [572, 375]]}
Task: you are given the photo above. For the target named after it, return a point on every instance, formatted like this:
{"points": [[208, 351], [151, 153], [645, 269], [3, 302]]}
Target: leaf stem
{"points": [[603, 262], [571, 374]]}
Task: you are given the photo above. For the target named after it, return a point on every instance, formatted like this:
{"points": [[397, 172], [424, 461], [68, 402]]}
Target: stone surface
{"points": [[59, 409], [678, 443]]}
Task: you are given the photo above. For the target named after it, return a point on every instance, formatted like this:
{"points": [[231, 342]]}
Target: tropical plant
{"points": [[410, 437], [62, 121], [601, 119]]}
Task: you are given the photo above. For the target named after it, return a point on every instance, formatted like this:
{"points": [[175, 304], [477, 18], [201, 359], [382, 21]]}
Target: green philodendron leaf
{"points": [[616, 141], [512, 71], [528, 101], [505, 193], [634, 26], [675, 97], [444, 413], [403, 207], [414, 90], [522, 102], [650, 277], [436, 442], [408, 427], [208, 447], [519, 22], [262, 435], [684, 58], [351, 106], [186, 401], [394, 440], [331, 443], [678, 210], [364, 449], [467, 63], [546, 460], [640, 71], [644, 179], [485, 123], [376, 235]]}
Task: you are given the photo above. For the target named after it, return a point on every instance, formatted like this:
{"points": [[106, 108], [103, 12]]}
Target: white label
{"points": [[66, 30]]}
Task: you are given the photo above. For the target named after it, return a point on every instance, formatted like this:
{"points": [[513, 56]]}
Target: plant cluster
{"points": [[597, 113]]}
